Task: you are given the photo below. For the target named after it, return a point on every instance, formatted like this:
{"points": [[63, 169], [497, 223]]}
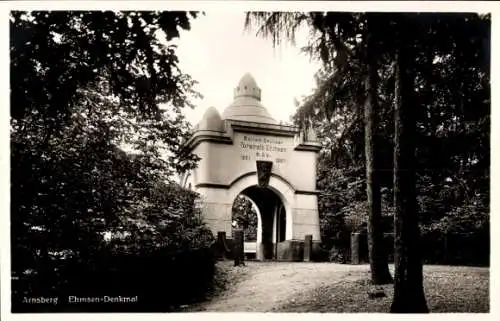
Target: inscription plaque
{"points": [[254, 147]]}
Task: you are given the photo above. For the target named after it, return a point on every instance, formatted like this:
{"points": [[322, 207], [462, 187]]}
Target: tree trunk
{"points": [[377, 254], [409, 294]]}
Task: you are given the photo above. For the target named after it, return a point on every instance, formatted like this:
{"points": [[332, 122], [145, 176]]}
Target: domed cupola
{"points": [[246, 105], [211, 121]]}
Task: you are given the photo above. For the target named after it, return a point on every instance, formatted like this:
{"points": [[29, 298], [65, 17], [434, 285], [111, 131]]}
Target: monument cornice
{"points": [[227, 186], [261, 128], [303, 192], [220, 137], [252, 173], [309, 147], [206, 135]]}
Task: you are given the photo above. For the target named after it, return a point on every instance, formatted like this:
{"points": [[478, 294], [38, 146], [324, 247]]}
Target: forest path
{"points": [[268, 285]]}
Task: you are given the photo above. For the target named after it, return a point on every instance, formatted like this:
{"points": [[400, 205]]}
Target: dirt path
{"points": [[270, 284]]}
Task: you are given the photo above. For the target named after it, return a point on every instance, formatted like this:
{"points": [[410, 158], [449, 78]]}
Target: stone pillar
{"points": [[267, 247], [221, 237], [239, 254], [354, 248], [260, 252], [307, 248], [221, 249], [275, 233]]}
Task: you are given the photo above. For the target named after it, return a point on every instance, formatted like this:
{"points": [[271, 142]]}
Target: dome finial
{"points": [[247, 87]]}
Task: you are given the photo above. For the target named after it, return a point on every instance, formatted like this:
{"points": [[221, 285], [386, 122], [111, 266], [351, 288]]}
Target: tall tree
{"points": [[447, 54], [83, 83], [377, 255], [56, 53], [409, 294]]}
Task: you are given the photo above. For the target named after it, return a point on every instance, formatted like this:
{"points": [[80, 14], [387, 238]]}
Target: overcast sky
{"points": [[217, 52]]}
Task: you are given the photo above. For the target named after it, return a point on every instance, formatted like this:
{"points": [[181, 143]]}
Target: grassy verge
{"points": [[447, 289]]}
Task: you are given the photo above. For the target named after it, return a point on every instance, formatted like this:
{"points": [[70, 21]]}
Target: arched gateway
{"points": [[247, 152]]}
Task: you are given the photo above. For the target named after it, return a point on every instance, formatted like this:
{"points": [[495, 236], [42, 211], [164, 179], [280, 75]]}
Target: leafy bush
{"points": [[163, 258], [164, 265], [72, 194]]}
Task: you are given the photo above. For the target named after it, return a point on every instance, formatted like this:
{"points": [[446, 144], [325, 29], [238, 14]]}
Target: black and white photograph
{"points": [[262, 159]]}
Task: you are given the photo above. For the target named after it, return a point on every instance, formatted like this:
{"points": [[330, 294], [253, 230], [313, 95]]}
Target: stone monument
{"points": [[245, 150]]}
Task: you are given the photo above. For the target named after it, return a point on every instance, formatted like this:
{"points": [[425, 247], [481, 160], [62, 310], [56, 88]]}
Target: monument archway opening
{"points": [[245, 151], [246, 216], [269, 228]]}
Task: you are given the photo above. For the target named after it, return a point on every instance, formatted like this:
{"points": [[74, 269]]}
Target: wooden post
{"points": [[239, 254], [277, 218], [307, 248], [446, 254], [354, 248]]}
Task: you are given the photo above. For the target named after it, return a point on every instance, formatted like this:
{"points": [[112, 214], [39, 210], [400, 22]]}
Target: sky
{"points": [[217, 52]]}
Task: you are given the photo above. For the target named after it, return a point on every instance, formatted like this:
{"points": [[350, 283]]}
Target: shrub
{"points": [[159, 250]]}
